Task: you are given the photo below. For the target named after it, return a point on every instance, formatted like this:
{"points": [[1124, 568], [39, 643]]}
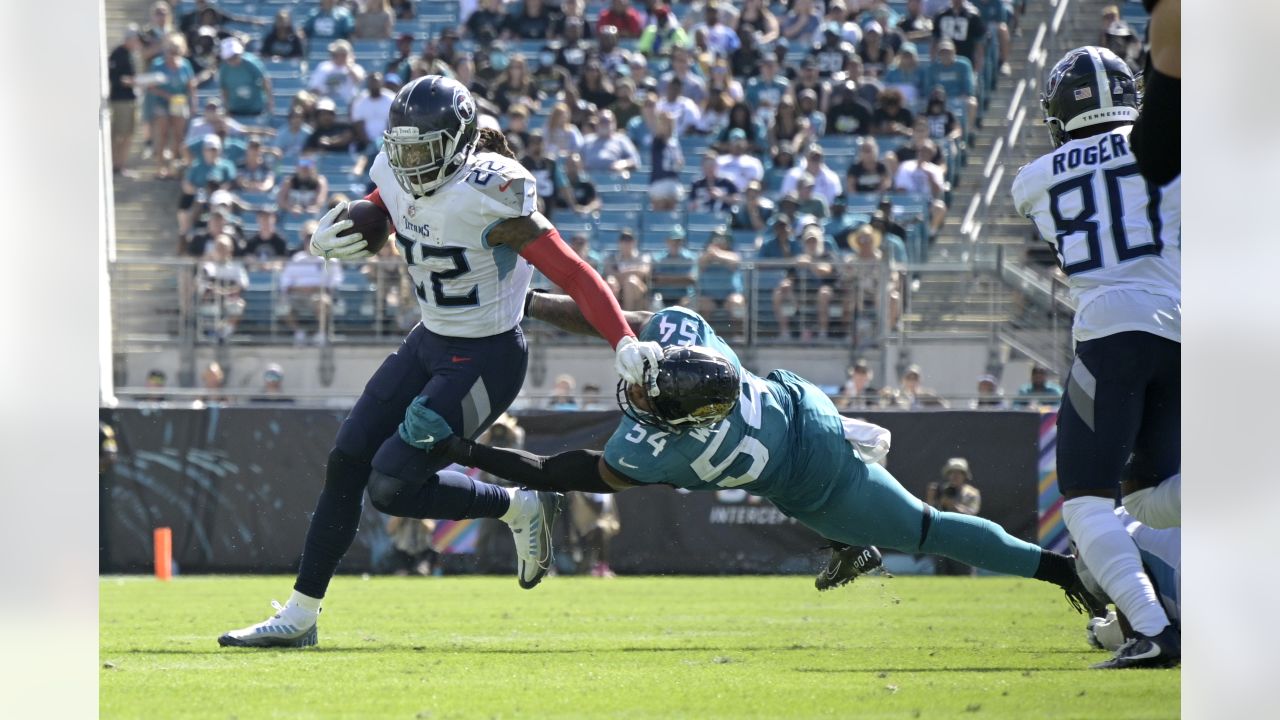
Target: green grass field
{"points": [[730, 647]]}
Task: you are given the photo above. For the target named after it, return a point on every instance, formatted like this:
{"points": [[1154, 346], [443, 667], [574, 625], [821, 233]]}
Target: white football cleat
{"points": [[531, 530], [291, 626]]}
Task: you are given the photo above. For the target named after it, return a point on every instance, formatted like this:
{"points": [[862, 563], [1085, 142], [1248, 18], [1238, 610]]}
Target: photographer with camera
{"points": [[954, 494]]}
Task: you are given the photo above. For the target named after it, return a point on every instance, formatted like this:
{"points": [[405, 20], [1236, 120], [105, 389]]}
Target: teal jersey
{"points": [[784, 441], [243, 84]]}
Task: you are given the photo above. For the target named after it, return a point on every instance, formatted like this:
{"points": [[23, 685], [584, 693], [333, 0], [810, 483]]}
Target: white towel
{"points": [[871, 441]]}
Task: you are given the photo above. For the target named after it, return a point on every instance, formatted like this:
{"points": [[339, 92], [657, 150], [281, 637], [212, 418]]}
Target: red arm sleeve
{"points": [[375, 197], [563, 267]]}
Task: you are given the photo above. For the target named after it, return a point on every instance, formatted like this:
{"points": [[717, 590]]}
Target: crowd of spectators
{"points": [[790, 132]]}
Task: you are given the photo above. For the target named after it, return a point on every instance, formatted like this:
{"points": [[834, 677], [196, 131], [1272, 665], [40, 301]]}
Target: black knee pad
{"points": [[384, 490]]}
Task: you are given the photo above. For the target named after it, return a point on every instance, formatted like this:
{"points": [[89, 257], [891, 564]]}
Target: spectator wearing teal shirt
{"points": [[675, 272], [330, 22], [1039, 392], [168, 102], [906, 76], [768, 87], [211, 170], [955, 75], [246, 87], [720, 278]]}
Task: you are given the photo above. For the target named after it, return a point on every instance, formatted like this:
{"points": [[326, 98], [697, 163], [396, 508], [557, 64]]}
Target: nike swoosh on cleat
{"points": [[1151, 652]]}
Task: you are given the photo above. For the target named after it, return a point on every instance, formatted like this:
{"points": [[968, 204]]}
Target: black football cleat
{"points": [[1142, 651], [847, 562]]}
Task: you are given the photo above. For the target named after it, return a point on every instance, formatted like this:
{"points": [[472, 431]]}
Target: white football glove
{"points": [[637, 362], [325, 242]]}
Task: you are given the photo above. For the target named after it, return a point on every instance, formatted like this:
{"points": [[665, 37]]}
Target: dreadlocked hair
{"points": [[493, 141]]}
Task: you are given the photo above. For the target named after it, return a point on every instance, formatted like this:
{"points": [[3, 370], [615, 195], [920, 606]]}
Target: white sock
{"points": [[304, 602], [518, 501], [1157, 507], [1113, 558]]}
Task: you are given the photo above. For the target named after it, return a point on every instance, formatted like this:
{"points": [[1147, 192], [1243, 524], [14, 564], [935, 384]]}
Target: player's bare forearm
{"points": [[563, 312]]}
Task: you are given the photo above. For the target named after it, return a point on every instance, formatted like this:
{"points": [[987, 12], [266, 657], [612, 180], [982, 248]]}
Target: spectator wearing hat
{"points": [[737, 165], [858, 393], [809, 205], [914, 394], [801, 22], [675, 272], [906, 76], [809, 288], [780, 245], [712, 192], [305, 192], [122, 98], [1040, 392], [243, 80], [168, 103], [955, 74], [272, 392], [990, 396], [964, 27], [607, 150], [661, 37], [283, 40], [1119, 39], [214, 121], [875, 53], [720, 279], [808, 109], [218, 224], [620, 14], [865, 275], [369, 110], [375, 22], [954, 494], [893, 235], [331, 134], [755, 210], [827, 183], [340, 77], [666, 159], [757, 20], [629, 272], [914, 24], [330, 21], [210, 172], [266, 245]]}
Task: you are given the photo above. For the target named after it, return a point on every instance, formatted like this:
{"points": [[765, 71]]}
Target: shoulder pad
{"points": [[505, 182]]}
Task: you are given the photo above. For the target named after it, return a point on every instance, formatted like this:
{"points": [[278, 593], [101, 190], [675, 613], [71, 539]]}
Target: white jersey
{"points": [[1118, 237], [465, 288]]}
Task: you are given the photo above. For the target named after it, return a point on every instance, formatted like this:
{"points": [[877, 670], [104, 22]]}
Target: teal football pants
{"points": [[877, 510]]}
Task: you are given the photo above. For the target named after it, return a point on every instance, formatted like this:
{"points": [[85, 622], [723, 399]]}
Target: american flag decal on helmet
{"points": [[1083, 93]]}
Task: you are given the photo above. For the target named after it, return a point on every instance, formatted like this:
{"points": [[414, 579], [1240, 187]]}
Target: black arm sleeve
{"points": [[1157, 135], [572, 470]]}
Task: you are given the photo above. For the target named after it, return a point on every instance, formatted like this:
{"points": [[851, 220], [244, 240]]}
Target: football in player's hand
{"points": [[370, 221]]}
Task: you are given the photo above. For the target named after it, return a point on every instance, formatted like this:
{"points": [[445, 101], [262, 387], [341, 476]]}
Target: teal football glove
{"points": [[423, 427]]}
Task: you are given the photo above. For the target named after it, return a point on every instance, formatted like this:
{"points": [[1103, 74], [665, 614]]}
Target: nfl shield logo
{"points": [[413, 210], [1083, 93]]}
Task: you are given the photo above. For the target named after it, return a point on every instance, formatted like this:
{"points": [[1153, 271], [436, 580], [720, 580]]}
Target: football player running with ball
{"points": [[699, 421], [1118, 237], [464, 214]]}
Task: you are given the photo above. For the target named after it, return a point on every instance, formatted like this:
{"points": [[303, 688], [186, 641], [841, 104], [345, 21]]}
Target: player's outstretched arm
{"points": [[538, 241], [564, 313], [580, 470]]}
